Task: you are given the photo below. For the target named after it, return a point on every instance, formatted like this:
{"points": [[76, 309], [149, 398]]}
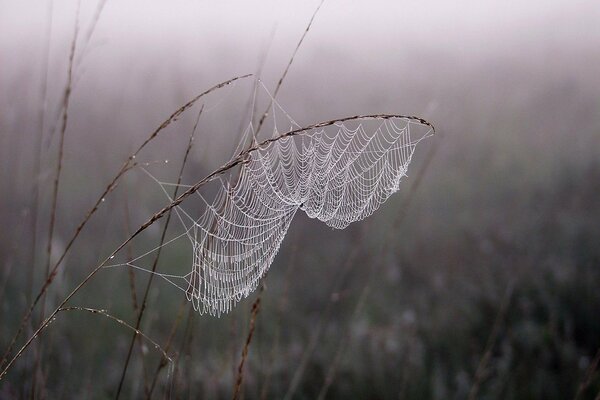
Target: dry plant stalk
{"points": [[38, 152], [121, 322], [157, 257], [240, 370], [61, 146], [282, 78]]}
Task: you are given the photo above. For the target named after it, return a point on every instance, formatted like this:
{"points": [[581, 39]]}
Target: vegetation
{"points": [[478, 280]]}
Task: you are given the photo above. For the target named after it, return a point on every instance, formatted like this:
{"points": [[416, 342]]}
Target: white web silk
{"points": [[339, 174], [335, 174]]}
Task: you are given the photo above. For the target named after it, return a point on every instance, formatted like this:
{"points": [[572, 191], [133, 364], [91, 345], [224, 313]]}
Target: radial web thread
{"points": [[338, 174]]}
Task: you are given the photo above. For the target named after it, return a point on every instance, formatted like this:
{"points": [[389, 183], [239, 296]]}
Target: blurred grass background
{"points": [[480, 278]]}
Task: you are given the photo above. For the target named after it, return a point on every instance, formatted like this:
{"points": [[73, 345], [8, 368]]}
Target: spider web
{"points": [[337, 174]]}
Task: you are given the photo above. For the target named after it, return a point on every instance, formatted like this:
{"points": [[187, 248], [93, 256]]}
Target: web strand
{"points": [[338, 174]]}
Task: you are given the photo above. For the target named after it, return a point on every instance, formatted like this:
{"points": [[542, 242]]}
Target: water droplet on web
{"points": [[111, 257], [166, 161], [103, 199]]}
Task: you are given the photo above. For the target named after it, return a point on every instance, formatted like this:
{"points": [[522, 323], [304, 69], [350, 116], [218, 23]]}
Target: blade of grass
{"points": [[58, 172], [77, 64], [61, 147], [38, 151]]}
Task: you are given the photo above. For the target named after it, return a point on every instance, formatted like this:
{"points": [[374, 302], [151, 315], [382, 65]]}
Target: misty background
{"points": [[479, 278]]}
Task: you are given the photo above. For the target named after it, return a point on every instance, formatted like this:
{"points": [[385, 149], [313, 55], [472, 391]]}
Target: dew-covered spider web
{"points": [[338, 174]]}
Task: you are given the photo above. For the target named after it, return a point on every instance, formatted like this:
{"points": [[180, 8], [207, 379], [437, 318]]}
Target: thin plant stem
{"points": [[121, 322], [287, 68], [132, 285], [77, 65], [55, 188], [240, 371], [61, 147], [131, 274], [157, 257], [170, 338], [38, 150]]}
